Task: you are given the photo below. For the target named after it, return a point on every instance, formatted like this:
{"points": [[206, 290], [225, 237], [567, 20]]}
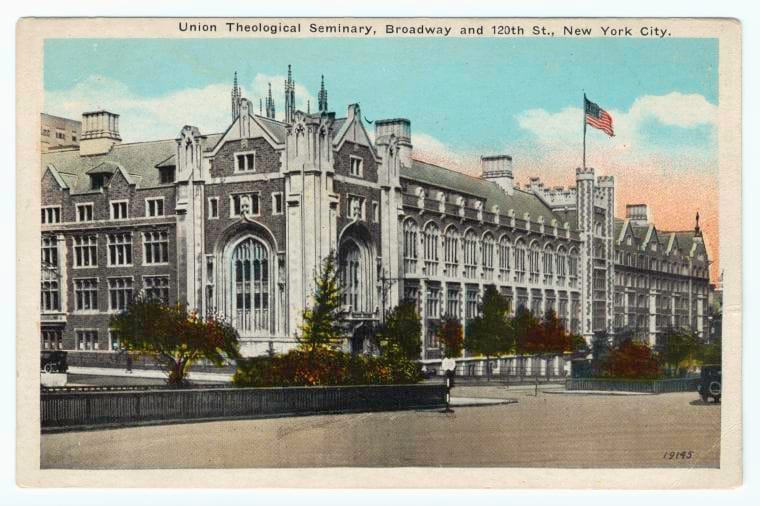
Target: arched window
{"points": [[431, 238], [504, 260], [410, 247], [352, 276], [451, 250], [250, 280], [561, 264], [533, 262], [470, 254], [573, 264], [519, 260], [487, 256], [548, 263]]}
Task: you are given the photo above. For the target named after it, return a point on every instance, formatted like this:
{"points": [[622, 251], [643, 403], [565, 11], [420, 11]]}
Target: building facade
{"points": [[58, 133], [237, 223]]}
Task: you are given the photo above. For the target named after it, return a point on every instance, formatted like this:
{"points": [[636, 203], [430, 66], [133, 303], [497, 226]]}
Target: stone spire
{"points": [[290, 97], [322, 96], [235, 97], [270, 104]]}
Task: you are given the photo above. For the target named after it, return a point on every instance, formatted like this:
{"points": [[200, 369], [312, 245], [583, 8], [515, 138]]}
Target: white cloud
{"points": [[162, 117]]}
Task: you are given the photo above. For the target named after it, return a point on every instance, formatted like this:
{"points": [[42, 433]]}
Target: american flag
{"points": [[598, 117]]}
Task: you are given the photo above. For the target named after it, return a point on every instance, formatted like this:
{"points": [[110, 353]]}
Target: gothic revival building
{"points": [[238, 223]]}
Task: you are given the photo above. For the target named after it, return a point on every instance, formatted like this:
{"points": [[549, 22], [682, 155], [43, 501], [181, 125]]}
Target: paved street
{"points": [[550, 430]]}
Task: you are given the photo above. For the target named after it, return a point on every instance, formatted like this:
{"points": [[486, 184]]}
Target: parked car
{"points": [[710, 383], [53, 361]]}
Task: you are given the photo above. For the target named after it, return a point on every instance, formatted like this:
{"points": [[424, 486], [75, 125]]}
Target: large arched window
{"points": [[451, 250], [573, 267], [519, 260], [470, 254], [410, 247], [431, 237], [534, 268], [504, 260], [548, 263], [351, 275], [487, 256], [250, 286], [561, 265]]}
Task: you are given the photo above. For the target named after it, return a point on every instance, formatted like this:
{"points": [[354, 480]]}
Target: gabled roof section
{"points": [[106, 167], [274, 132], [56, 176], [352, 129], [521, 201]]}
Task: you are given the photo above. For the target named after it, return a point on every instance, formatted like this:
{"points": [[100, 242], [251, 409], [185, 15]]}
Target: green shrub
{"points": [[325, 367]]}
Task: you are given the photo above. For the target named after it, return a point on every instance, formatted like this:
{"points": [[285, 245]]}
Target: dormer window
{"points": [[167, 175], [99, 181], [357, 166], [245, 162]]}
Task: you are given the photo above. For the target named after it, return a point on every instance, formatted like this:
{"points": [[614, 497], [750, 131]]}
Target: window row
{"points": [[120, 292], [244, 204], [483, 252], [118, 210], [86, 340], [119, 249]]}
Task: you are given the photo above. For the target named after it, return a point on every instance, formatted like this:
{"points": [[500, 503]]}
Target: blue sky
{"points": [[466, 93]]}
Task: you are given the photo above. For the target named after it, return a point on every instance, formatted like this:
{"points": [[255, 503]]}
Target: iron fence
{"points": [[640, 386], [72, 410]]}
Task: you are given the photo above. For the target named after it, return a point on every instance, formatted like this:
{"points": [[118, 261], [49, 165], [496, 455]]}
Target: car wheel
{"points": [[48, 368], [714, 389]]}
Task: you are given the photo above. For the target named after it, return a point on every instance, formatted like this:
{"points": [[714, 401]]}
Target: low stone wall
{"points": [[79, 410]]}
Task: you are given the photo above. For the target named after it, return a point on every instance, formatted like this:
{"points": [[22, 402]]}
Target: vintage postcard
{"points": [[379, 252]]}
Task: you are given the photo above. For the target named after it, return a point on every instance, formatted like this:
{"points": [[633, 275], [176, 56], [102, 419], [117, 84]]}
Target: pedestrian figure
{"points": [[129, 363]]}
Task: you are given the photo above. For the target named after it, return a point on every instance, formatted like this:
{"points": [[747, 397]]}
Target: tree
{"points": [[323, 321], [631, 360], [401, 333], [678, 346], [174, 338], [451, 335], [490, 333], [712, 353]]}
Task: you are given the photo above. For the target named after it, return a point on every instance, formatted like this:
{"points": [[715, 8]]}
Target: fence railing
{"points": [[640, 386], [71, 410]]}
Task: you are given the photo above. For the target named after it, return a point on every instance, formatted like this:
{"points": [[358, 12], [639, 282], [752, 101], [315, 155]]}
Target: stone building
{"points": [[58, 133], [238, 222]]}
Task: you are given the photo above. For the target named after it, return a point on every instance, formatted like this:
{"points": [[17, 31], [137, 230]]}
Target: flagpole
{"points": [[584, 129]]}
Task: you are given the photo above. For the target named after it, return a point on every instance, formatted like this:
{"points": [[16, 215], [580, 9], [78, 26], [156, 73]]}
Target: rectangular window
{"points": [[60, 134], [213, 207], [86, 251], [245, 162], [247, 203], [46, 131], [167, 175], [119, 249], [157, 288], [50, 295], [433, 302], [154, 207], [85, 212], [119, 210], [471, 304], [277, 206], [452, 303], [156, 247], [86, 294], [119, 293], [52, 339], [376, 212], [87, 339], [98, 181], [357, 164], [114, 338], [356, 207], [49, 251], [51, 214]]}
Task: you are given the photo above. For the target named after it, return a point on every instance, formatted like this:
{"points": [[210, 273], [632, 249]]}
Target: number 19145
{"points": [[686, 455]]}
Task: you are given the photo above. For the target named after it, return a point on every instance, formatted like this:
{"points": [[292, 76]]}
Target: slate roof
{"points": [[521, 201]]}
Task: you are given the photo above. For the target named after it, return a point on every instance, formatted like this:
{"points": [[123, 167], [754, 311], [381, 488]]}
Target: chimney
{"points": [[498, 168], [638, 214], [100, 131], [401, 128]]}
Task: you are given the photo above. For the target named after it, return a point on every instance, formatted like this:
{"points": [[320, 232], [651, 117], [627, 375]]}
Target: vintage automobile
{"points": [[53, 361], [710, 383]]}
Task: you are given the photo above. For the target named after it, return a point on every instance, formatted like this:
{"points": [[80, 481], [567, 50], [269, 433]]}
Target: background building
{"points": [[238, 222], [57, 132]]}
